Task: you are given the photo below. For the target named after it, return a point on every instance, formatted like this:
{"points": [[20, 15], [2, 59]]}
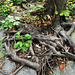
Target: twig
{"points": [[17, 70], [31, 49], [66, 24]]}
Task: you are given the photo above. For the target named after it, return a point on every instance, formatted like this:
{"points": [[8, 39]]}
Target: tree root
{"points": [[14, 57]]}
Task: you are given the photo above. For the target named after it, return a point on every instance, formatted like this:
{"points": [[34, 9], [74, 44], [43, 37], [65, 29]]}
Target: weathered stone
{"points": [[73, 36], [9, 66], [27, 71]]}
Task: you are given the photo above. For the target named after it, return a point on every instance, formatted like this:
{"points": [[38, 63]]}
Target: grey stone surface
{"points": [[8, 66], [27, 71], [68, 70], [1, 34], [73, 36]]}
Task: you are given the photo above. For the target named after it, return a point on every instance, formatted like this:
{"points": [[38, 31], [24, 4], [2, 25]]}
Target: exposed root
{"points": [[14, 57]]}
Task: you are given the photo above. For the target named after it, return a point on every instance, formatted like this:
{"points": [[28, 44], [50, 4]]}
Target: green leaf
{"points": [[17, 18], [24, 48], [56, 12], [45, 17], [11, 20], [27, 36], [10, 16], [16, 45], [17, 36], [61, 14], [18, 33], [66, 18], [59, 52], [21, 37], [6, 22], [2, 27], [29, 41], [27, 45], [2, 21], [33, 6], [66, 12], [23, 44], [11, 4], [19, 43], [16, 23], [40, 6], [10, 25]]}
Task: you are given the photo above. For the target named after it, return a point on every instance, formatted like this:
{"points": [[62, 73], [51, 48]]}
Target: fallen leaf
{"points": [[22, 56], [0, 59], [3, 70], [62, 66], [49, 22], [13, 70], [67, 48], [11, 49]]}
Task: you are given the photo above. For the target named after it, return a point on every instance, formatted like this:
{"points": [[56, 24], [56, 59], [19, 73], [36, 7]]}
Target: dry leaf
{"points": [[11, 49], [3, 70], [0, 59], [62, 66], [67, 48], [13, 70]]}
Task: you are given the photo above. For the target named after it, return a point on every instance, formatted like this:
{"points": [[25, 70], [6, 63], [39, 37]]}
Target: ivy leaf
{"points": [[45, 17], [59, 52], [23, 44], [24, 48], [29, 41], [27, 36], [56, 12], [61, 14], [10, 24], [7, 22], [19, 43], [66, 12], [11, 4], [40, 6], [2, 21], [2, 27], [17, 18], [66, 18], [11, 20], [18, 33], [16, 23], [10, 16], [16, 45], [33, 6], [27, 45], [21, 37]]}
